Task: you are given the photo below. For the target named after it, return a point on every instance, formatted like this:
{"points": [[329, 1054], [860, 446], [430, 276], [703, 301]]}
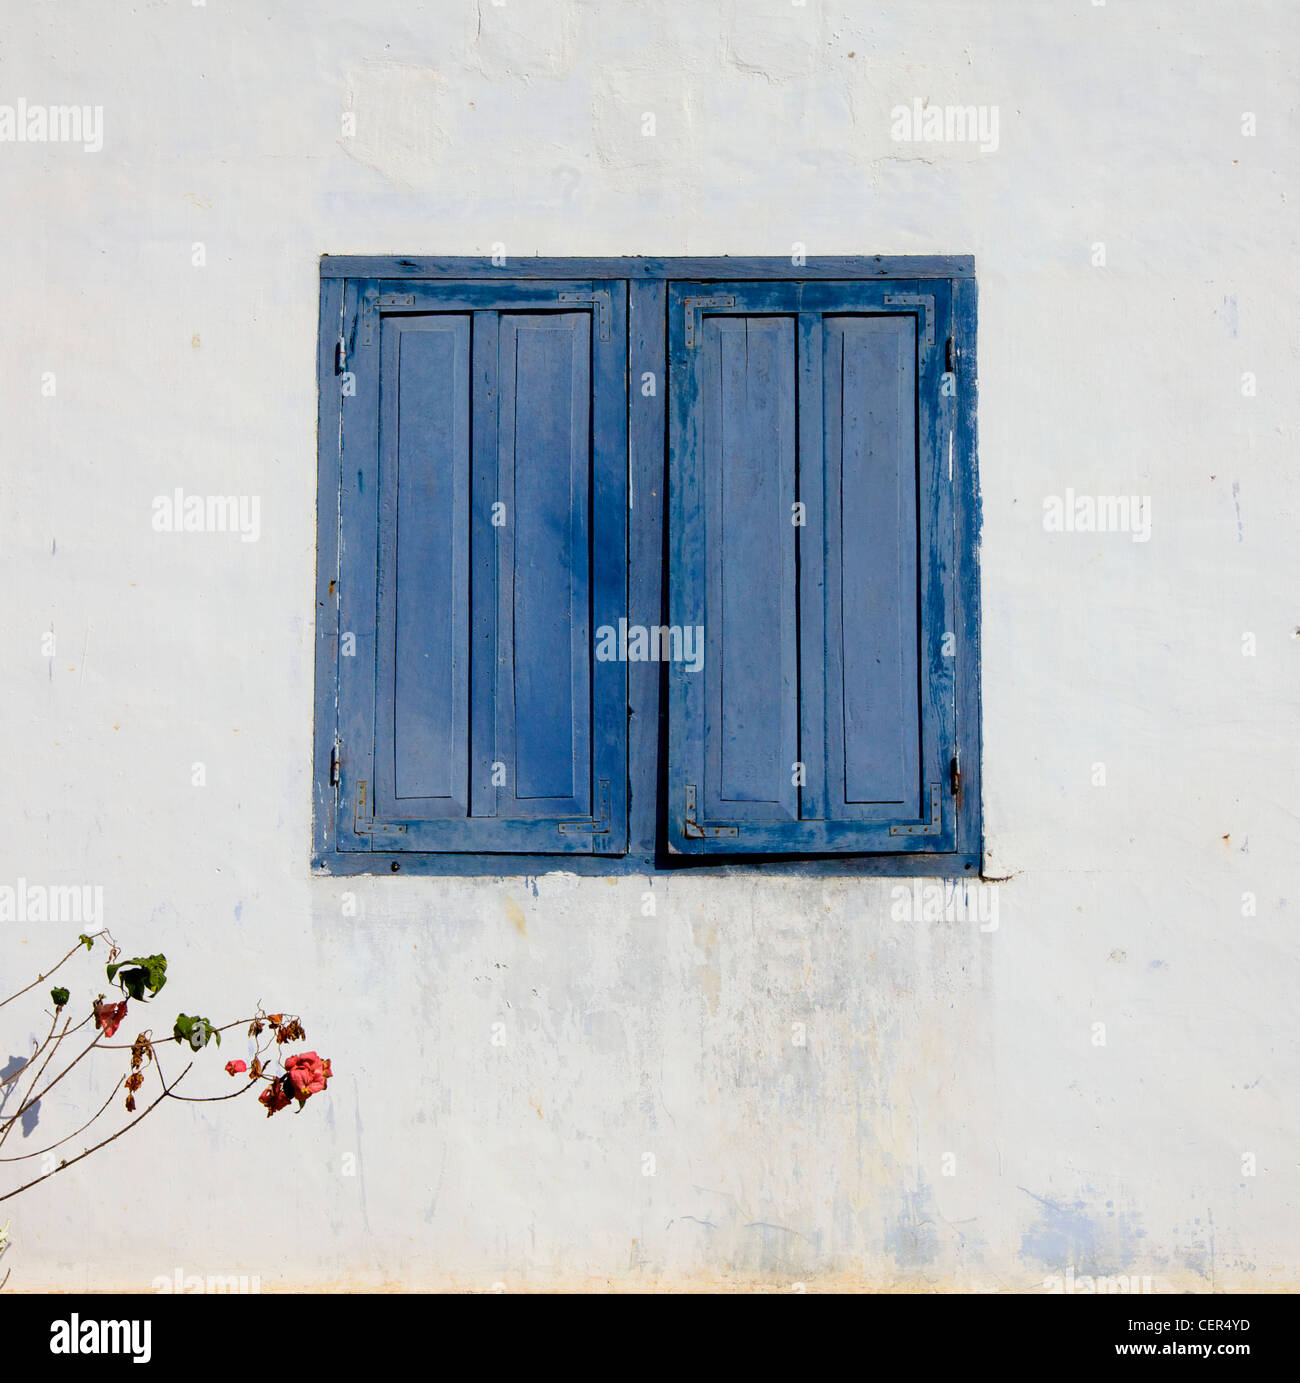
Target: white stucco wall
{"points": [[522, 1163]]}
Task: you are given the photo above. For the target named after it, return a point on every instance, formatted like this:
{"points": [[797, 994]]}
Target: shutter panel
{"points": [[748, 440], [823, 718], [422, 705], [485, 462]]}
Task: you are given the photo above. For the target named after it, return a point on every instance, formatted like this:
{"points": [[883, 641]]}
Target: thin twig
{"points": [[225, 1027], [67, 1032], [40, 979], [39, 1049], [22, 1157], [58, 1078], [22, 1108], [126, 1128]]}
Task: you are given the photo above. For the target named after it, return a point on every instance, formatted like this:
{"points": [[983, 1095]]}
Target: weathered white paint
{"points": [[673, 1035]]}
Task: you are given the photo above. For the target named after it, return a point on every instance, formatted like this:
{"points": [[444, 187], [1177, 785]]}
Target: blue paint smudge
{"points": [[914, 1239], [1228, 314], [1068, 1235]]}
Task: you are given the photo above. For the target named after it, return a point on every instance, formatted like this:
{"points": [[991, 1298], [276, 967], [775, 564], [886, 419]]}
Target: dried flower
{"points": [[108, 1017]]}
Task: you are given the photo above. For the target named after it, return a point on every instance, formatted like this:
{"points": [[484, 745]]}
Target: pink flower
{"points": [[307, 1074], [233, 1068], [274, 1097], [109, 1016]]}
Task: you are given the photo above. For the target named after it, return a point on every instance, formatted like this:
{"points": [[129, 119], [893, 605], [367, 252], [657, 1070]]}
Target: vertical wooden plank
{"points": [[874, 731], [687, 698], [544, 636], [422, 711], [610, 597], [358, 565], [936, 484], [751, 734], [815, 438], [483, 567], [966, 669], [646, 574]]}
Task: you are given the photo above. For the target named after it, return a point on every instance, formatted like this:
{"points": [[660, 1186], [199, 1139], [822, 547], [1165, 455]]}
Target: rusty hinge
{"points": [[370, 308], [925, 301], [950, 357], [369, 315], [598, 825], [335, 761], [365, 825], [340, 356], [923, 828], [954, 778], [692, 828], [599, 298], [694, 304]]}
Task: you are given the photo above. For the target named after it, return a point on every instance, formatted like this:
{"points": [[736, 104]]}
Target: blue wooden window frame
{"points": [[647, 758]]}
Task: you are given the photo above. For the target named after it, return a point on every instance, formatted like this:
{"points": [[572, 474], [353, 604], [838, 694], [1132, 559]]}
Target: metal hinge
{"points": [[365, 825], [691, 827], [954, 778], [599, 298], [340, 356], [597, 825], [923, 828], [692, 304], [370, 307], [335, 761], [950, 357], [922, 300]]}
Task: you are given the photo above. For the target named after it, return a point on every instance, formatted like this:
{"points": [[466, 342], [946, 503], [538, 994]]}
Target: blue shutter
{"points": [[484, 524], [823, 718]]}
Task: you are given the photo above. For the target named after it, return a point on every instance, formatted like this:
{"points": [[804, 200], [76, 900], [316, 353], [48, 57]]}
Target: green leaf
{"points": [[198, 1032], [147, 972], [60, 997], [86, 941]]}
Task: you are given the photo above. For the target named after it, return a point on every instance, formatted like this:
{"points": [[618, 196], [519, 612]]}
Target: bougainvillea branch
{"points": [[138, 980]]}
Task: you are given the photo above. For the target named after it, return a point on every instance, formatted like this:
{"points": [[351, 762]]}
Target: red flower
{"points": [[109, 1016], [274, 1097], [307, 1075], [233, 1068]]}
